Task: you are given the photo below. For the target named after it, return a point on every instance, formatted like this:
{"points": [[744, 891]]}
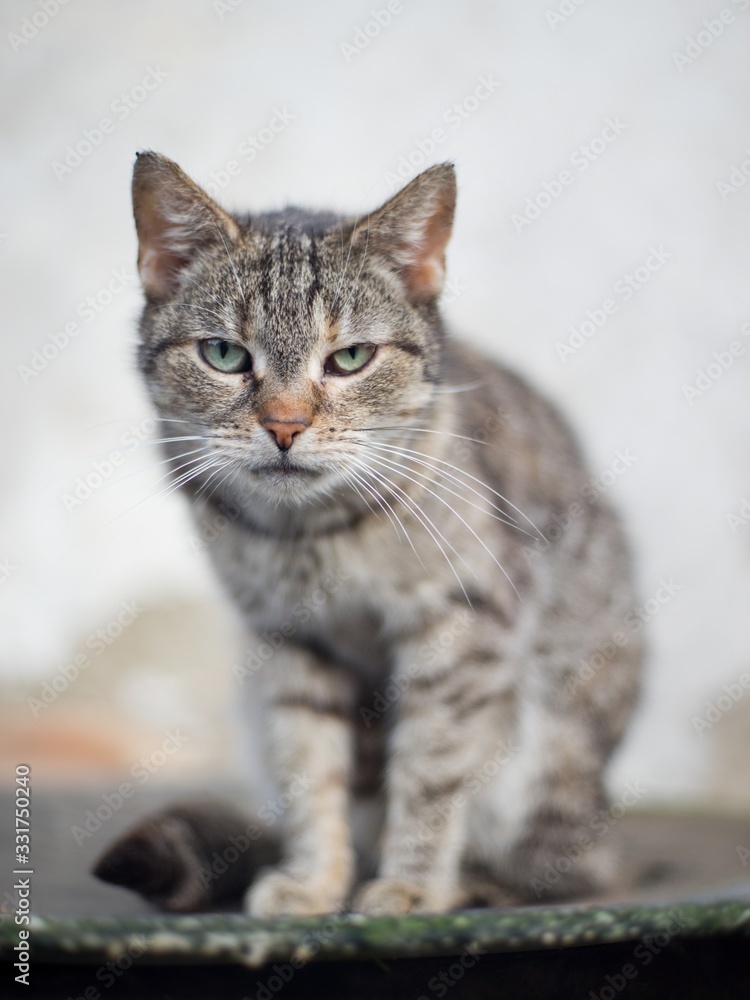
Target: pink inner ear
{"points": [[157, 262], [159, 268], [175, 220], [424, 278], [425, 272]]}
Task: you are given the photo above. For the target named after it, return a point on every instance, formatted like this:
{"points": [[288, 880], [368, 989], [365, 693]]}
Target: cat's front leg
{"points": [[454, 689], [307, 717]]}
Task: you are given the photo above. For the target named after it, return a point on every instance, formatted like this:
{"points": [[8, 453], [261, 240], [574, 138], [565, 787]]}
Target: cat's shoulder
{"points": [[481, 382], [497, 405]]}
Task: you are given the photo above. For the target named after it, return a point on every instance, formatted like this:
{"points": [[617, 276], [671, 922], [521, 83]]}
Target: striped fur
{"points": [[436, 687]]}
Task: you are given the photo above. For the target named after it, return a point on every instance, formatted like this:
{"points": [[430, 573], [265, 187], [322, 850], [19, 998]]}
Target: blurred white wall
{"points": [[309, 113]]}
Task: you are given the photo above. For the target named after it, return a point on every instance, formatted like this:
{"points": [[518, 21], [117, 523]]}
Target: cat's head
{"points": [[284, 342]]}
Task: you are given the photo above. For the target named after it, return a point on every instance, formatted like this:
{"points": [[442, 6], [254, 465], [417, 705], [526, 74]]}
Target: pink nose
{"points": [[285, 431]]}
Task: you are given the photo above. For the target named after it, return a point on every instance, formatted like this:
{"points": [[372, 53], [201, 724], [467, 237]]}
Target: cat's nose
{"points": [[285, 431]]}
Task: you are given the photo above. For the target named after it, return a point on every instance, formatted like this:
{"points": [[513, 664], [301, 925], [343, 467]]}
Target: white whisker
{"points": [[186, 477], [200, 453], [421, 430], [235, 272], [455, 468], [150, 466], [468, 387], [216, 317], [108, 451], [342, 275], [177, 420], [169, 440], [394, 468], [495, 513], [398, 524], [424, 520], [350, 481], [231, 476], [385, 506], [166, 491], [220, 468]]}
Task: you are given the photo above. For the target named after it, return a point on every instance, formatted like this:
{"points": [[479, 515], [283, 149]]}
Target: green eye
{"points": [[225, 356], [349, 359]]}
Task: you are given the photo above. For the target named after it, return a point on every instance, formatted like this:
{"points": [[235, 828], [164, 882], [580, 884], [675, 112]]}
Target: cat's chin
{"points": [[290, 486]]}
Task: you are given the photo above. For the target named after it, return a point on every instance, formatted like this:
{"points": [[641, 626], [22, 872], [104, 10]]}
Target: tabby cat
{"points": [[424, 505]]}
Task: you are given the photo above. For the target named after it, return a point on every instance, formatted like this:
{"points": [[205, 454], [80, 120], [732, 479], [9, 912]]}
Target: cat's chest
{"points": [[353, 596]]}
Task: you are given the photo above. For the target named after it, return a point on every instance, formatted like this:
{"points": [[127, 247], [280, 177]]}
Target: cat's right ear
{"points": [[410, 232], [175, 221]]}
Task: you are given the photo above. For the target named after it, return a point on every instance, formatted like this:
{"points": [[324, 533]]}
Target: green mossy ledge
{"points": [[233, 938]]}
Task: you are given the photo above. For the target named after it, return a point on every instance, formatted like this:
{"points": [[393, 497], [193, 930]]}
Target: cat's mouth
{"points": [[282, 480], [288, 483], [285, 467]]}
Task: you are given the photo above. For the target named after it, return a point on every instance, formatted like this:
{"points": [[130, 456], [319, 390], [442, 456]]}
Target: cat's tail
{"points": [[188, 857]]}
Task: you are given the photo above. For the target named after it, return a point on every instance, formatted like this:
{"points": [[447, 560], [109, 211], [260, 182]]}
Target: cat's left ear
{"points": [[176, 220], [412, 230]]}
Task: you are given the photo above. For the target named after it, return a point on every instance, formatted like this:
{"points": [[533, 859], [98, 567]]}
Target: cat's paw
{"points": [[387, 896], [277, 894]]}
